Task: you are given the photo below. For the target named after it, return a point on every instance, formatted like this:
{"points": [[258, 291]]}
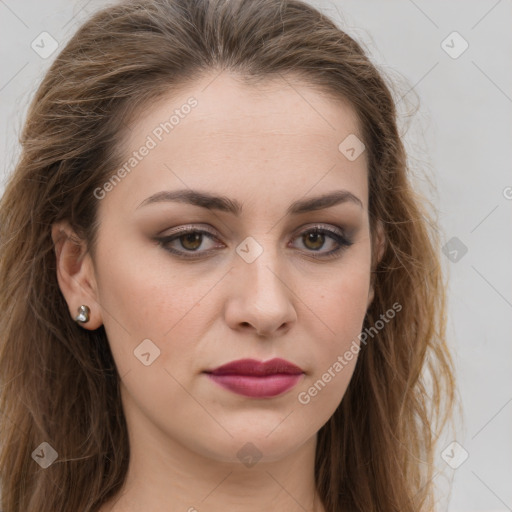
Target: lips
{"points": [[257, 368], [257, 379]]}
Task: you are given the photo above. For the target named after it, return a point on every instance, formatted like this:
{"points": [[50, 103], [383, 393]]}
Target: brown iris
{"points": [[318, 239], [191, 241]]}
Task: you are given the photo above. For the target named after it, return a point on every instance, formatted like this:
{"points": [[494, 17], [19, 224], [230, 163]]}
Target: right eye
{"points": [[189, 239]]}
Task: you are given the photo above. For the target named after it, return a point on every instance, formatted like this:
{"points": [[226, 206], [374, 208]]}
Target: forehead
{"points": [[230, 137]]}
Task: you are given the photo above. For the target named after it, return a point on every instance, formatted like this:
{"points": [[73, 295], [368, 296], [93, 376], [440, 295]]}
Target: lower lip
{"points": [[257, 387]]}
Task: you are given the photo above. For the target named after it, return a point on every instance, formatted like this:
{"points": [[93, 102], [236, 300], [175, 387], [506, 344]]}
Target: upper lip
{"points": [[254, 367]]}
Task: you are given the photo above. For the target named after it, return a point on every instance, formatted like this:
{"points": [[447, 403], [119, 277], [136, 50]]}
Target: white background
{"points": [[460, 138]]}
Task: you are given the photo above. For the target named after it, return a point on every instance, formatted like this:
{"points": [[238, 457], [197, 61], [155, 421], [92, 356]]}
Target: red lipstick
{"points": [[257, 379]]}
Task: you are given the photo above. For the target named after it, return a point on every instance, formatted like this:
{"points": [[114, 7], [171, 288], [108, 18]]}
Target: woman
{"points": [[219, 290]]}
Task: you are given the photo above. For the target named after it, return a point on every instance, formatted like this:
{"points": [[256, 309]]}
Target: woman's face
{"points": [[252, 280]]}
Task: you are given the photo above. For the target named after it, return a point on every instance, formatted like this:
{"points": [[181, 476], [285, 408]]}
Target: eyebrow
{"points": [[224, 204]]}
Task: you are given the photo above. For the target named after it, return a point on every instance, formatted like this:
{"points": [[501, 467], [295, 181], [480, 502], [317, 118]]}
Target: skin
{"points": [[265, 146]]}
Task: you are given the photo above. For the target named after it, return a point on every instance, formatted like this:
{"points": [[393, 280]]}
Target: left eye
{"points": [[313, 239]]}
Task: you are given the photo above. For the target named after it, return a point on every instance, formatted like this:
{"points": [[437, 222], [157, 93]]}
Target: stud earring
{"points": [[83, 314]]}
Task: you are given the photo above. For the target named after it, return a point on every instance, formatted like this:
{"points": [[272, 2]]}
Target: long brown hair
{"points": [[59, 382]]}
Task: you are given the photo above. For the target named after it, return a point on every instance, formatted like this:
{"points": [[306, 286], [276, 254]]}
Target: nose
{"points": [[261, 297]]}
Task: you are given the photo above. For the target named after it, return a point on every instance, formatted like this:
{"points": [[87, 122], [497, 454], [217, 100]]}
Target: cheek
{"points": [[335, 359], [342, 309], [336, 320], [148, 299], [341, 298], [344, 298]]}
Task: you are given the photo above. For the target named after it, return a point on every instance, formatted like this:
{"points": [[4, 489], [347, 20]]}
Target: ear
{"points": [[75, 273], [378, 248]]}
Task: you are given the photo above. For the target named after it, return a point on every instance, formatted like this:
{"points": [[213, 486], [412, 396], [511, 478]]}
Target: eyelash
{"points": [[340, 239]]}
